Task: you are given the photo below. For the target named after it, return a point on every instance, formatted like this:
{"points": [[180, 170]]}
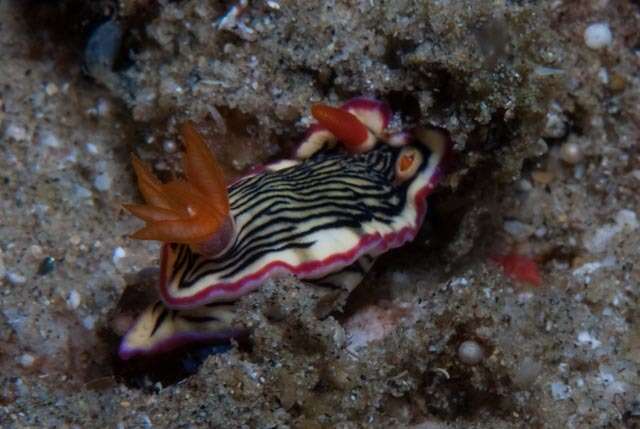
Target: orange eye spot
{"points": [[345, 126], [407, 161], [407, 164]]}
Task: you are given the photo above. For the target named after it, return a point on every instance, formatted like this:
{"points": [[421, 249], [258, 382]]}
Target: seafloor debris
{"points": [[234, 21], [102, 48], [520, 268]]}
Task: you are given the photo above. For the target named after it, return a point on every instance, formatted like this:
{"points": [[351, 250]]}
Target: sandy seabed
{"points": [[543, 108]]}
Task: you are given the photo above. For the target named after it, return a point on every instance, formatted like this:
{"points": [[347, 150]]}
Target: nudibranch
{"points": [[352, 191]]}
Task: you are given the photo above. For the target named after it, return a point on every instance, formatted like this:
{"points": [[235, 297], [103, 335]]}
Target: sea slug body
{"points": [[352, 192]]}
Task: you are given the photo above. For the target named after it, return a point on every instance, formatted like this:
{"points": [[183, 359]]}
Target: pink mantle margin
{"points": [[370, 243]]}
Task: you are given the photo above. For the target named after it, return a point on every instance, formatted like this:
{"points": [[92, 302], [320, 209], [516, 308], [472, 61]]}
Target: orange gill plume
{"points": [[193, 211], [345, 126]]}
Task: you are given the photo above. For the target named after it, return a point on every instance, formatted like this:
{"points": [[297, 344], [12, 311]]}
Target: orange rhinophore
{"points": [[344, 125], [187, 211]]}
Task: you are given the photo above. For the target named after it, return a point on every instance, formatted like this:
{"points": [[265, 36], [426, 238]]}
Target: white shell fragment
{"points": [[598, 35], [470, 352]]}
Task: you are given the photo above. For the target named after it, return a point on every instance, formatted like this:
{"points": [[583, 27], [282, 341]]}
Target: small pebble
{"points": [[460, 282], [603, 75], [15, 132], [92, 148], [571, 153], [89, 322], [598, 240], [16, 278], [524, 185], [81, 192], [560, 391], [118, 254], [102, 182], [527, 372], [46, 266], [103, 107], [169, 146], [274, 312], [586, 339], [518, 230], [103, 47], [218, 119], [26, 360], [146, 421], [540, 147], [628, 219], [470, 352], [51, 89], [168, 86], [547, 71], [540, 232], [598, 35], [73, 300], [35, 250], [400, 277], [617, 82], [339, 336], [556, 124], [542, 177], [48, 139]]}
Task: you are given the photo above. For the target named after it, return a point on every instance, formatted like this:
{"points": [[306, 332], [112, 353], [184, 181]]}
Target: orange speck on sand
{"points": [[520, 268]]}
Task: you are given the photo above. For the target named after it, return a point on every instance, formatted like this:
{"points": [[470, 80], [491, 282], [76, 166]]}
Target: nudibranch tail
{"points": [[160, 329], [194, 211], [345, 126]]}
